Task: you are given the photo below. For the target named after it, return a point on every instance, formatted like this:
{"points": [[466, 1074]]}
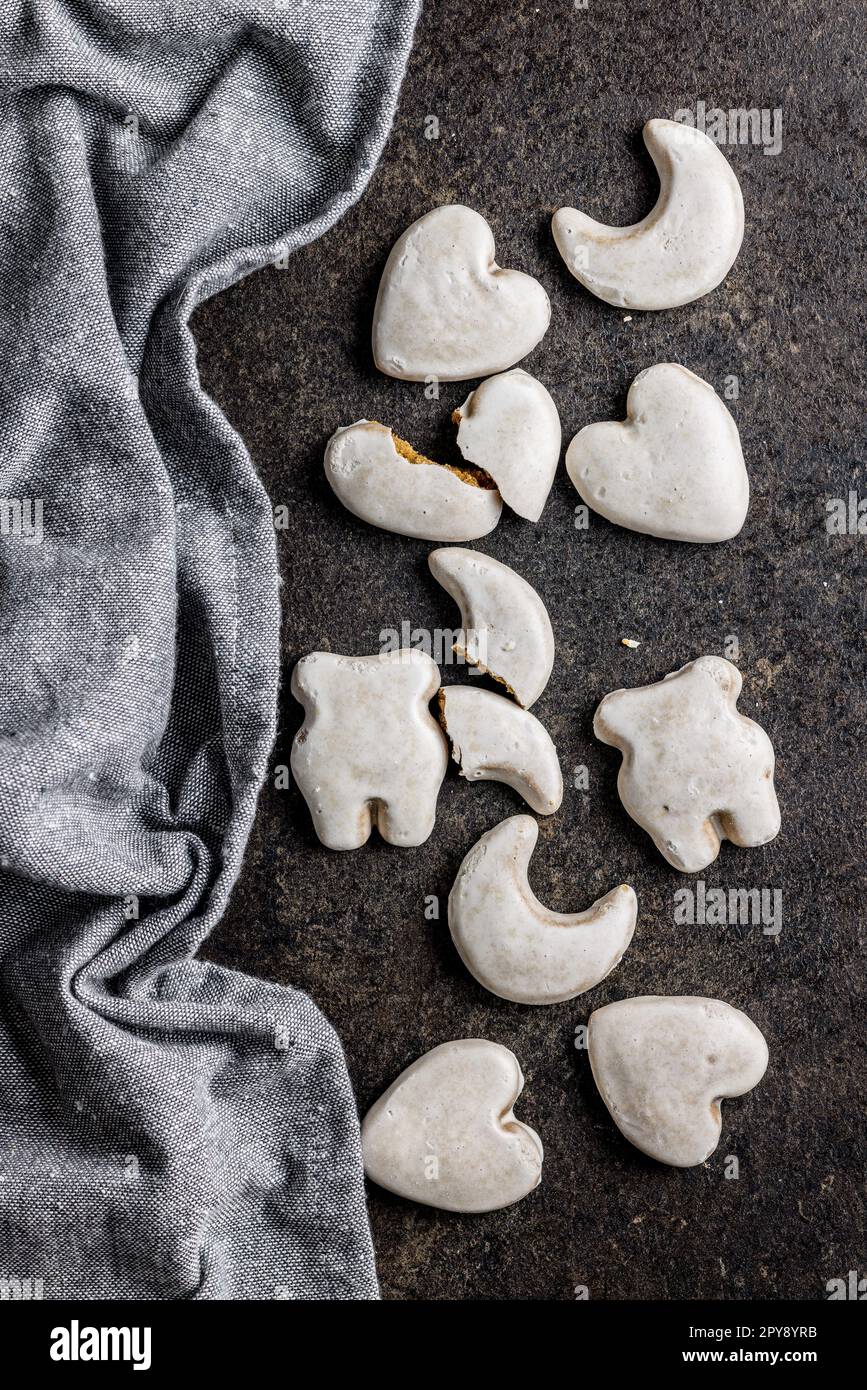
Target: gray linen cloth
{"points": [[168, 1129]]}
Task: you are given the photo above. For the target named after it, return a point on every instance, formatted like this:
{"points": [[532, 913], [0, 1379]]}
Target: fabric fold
{"points": [[168, 1128]]}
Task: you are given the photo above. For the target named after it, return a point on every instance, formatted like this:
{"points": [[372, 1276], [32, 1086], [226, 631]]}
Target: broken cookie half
{"points": [[509, 426], [494, 740], [506, 630], [384, 481]]}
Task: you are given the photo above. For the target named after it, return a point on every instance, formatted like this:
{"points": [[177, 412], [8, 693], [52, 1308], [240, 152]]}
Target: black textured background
{"points": [[541, 105]]}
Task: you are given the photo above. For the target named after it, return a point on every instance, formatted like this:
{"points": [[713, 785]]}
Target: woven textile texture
{"points": [[168, 1129]]}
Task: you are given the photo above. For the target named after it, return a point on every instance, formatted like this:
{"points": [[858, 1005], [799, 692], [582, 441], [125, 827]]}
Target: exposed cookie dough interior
{"points": [[475, 477], [382, 479]]}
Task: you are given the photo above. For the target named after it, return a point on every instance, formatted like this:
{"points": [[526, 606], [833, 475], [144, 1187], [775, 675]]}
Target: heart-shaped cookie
{"points": [[509, 426], [445, 309], [444, 1133], [674, 468], [663, 1063]]}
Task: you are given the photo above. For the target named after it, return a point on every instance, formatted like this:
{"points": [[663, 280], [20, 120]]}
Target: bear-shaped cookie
{"points": [[695, 771], [369, 751]]}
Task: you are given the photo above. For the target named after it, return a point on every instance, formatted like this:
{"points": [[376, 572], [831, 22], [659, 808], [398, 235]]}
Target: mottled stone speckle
{"points": [[540, 105]]}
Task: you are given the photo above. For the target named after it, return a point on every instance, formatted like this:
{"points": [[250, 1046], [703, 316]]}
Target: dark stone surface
{"points": [[539, 106]]}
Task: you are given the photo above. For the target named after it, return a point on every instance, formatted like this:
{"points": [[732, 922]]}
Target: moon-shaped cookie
{"points": [[494, 740], [683, 249], [514, 945], [506, 629]]}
